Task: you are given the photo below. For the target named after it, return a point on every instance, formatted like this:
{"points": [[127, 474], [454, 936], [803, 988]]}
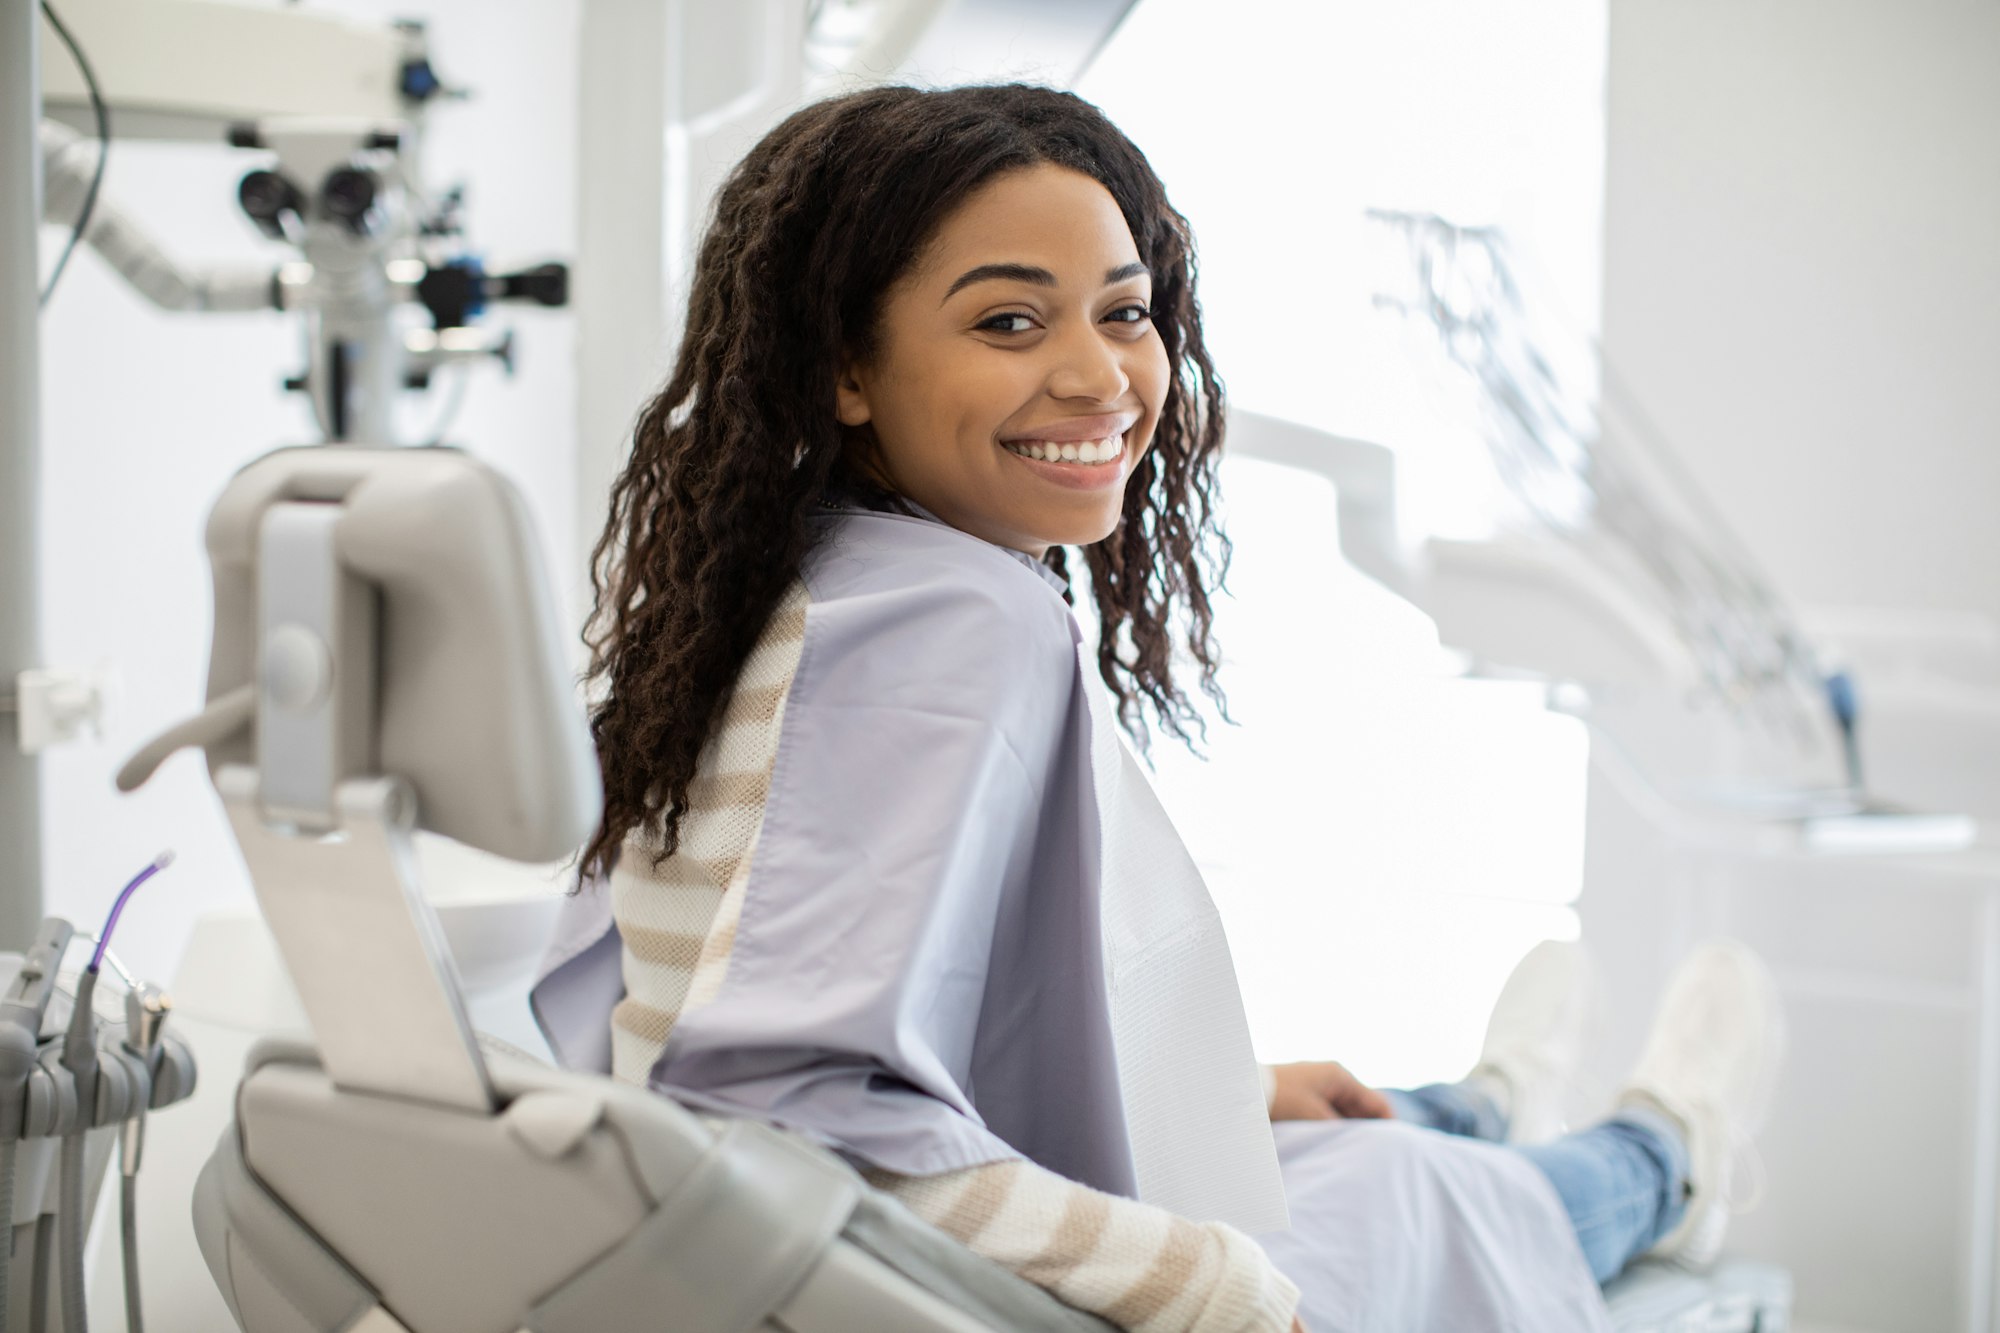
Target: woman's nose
{"points": [[1087, 365]]}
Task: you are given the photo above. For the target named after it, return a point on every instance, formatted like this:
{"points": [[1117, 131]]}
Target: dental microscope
{"points": [[390, 300]]}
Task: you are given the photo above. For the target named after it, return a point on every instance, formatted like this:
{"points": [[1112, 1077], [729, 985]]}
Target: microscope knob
{"points": [[545, 284]]}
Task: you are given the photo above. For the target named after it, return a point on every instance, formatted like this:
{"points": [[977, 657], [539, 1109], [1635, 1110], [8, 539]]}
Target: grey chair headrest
{"points": [[475, 706]]}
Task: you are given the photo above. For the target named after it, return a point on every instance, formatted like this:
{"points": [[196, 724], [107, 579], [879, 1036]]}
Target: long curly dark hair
{"points": [[710, 519]]}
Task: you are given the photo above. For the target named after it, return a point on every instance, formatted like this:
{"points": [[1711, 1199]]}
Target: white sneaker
{"points": [[1711, 1064], [1535, 1038]]}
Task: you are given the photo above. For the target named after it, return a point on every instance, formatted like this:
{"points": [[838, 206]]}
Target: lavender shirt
{"points": [[916, 979]]}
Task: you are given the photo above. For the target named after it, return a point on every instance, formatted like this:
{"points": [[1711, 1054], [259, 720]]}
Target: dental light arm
{"points": [[1601, 501]]}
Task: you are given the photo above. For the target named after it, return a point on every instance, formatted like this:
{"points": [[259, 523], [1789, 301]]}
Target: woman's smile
{"points": [[1083, 452], [1085, 464]]}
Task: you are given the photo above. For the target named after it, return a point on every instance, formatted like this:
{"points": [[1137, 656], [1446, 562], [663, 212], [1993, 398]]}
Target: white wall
{"points": [[1801, 279], [146, 415], [1800, 284]]}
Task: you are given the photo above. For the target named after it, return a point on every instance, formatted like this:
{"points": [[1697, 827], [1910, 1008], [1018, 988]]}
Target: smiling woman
{"points": [[876, 867], [906, 297]]}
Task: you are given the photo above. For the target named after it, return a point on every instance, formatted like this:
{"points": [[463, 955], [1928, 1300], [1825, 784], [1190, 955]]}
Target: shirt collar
{"points": [[854, 504]]}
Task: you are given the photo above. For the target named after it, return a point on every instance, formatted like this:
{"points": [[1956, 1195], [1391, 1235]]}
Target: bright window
{"points": [[1384, 841]]}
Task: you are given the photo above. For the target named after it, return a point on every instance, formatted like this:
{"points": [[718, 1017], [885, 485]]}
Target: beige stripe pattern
{"points": [[1138, 1266], [678, 919]]}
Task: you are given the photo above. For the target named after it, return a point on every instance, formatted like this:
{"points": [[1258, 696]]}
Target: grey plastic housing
{"points": [[476, 708], [45, 1107], [583, 1204]]}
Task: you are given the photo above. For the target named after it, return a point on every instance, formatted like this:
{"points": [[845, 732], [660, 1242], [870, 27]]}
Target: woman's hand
{"points": [[1325, 1091], [1298, 1325]]}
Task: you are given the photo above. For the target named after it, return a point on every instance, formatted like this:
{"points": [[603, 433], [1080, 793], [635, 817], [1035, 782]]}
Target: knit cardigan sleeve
{"points": [[1139, 1267]]}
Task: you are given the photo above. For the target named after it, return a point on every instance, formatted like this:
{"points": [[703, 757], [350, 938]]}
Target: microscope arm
{"points": [[67, 162]]}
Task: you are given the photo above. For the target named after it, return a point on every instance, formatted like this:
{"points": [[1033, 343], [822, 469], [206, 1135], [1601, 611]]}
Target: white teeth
{"points": [[1088, 451]]}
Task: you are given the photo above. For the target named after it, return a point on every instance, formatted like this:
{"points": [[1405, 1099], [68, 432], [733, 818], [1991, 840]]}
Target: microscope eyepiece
{"points": [[348, 196], [267, 196]]}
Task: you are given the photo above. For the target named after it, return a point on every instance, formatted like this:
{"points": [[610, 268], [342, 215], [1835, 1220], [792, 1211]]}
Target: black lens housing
{"points": [[267, 196], [347, 195]]}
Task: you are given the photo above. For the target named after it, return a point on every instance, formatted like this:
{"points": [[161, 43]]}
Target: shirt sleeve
{"points": [[1137, 1266]]}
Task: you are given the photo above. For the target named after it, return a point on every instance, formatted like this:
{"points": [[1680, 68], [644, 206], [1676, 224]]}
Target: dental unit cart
{"points": [[72, 1086]]}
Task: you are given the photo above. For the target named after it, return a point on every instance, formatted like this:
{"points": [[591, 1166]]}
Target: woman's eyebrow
{"points": [[1040, 277]]}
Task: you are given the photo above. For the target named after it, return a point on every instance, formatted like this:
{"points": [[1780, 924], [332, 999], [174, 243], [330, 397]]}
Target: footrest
{"points": [[1737, 1296]]}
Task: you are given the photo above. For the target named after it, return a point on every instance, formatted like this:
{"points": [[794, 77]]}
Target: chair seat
{"points": [[583, 1204], [1738, 1296]]}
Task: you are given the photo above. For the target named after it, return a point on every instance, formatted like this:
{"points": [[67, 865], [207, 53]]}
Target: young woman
{"points": [[874, 865]]}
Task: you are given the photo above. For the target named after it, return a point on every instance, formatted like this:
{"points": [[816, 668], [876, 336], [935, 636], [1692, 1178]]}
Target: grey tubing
{"points": [[7, 1150], [128, 1230], [38, 1294], [224, 717], [69, 1216]]}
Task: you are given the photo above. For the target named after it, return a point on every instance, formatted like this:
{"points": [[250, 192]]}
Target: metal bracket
{"points": [[362, 945], [54, 706], [316, 628]]}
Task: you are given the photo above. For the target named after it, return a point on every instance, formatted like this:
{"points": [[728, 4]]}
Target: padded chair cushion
{"points": [[583, 1203]]}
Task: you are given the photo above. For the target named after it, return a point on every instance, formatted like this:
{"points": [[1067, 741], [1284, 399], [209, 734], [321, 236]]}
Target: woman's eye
{"points": [[1131, 314], [1006, 324]]}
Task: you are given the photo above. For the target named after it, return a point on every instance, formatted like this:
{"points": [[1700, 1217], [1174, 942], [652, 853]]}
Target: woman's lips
{"points": [[1075, 430]]}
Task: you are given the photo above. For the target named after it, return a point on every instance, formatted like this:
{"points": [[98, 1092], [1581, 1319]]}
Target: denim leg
{"points": [[1624, 1184], [1450, 1108]]}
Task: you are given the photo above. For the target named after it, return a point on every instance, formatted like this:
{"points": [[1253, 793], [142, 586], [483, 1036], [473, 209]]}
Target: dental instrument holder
{"points": [[39, 1107], [328, 842]]}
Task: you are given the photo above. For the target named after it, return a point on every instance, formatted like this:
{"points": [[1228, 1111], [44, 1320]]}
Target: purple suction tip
{"points": [[159, 863]]}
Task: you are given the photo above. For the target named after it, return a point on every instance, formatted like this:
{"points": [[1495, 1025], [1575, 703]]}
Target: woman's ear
{"points": [[850, 398]]}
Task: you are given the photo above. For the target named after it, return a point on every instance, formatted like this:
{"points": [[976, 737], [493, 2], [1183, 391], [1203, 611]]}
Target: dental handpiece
{"points": [[146, 1010]]}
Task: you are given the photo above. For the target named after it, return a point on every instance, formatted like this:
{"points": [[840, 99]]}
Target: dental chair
{"points": [[386, 658]]}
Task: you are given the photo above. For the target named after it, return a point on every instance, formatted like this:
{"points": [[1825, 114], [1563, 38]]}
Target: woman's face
{"points": [[1017, 377]]}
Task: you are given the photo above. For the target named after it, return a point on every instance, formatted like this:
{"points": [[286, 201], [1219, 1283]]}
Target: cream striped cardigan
{"points": [[1139, 1267]]}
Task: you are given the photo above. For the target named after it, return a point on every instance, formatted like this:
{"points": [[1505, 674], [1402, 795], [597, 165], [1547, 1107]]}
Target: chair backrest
{"points": [[472, 702], [386, 657]]}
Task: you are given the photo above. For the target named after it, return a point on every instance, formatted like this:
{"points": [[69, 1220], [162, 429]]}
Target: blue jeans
{"points": [[1624, 1182]]}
